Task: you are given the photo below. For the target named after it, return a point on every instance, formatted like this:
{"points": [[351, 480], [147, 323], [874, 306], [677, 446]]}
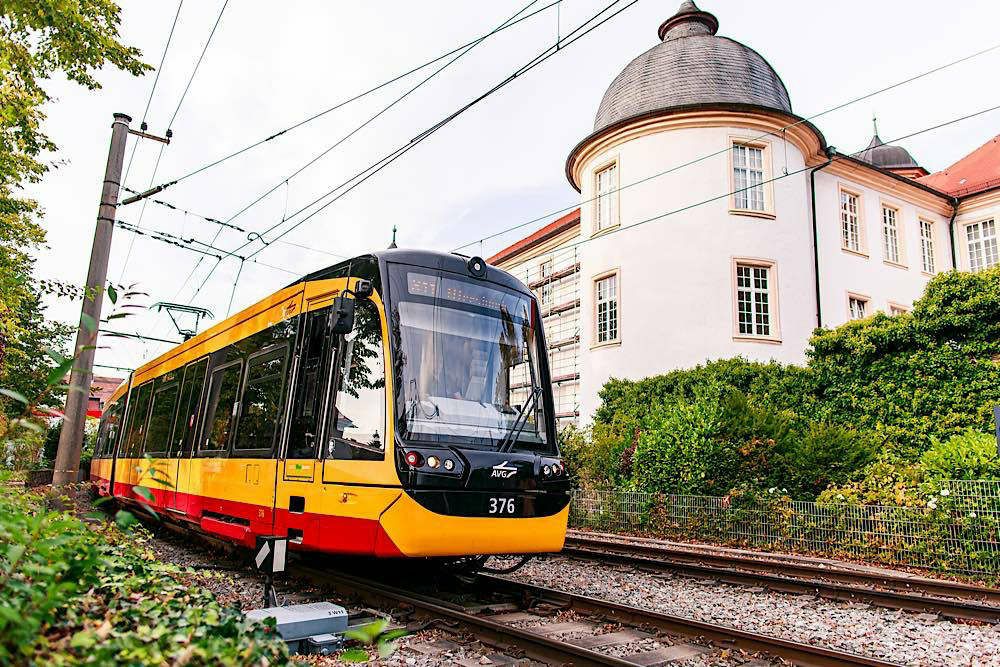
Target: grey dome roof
{"points": [[887, 156], [691, 66]]}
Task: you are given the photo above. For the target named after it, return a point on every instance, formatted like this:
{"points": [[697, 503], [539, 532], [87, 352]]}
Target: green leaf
{"points": [[354, 655], [112, 293], [116, 316], [143, 492], [83, 639], [386, 649], [393, 634], [55, 355], [124, 518], [56, 375], [88, 322], [17, 396]]}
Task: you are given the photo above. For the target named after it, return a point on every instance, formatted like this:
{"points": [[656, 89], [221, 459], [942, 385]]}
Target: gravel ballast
{"points": [[897, 636]]}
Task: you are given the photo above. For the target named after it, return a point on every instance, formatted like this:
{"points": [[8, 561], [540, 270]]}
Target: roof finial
{"points": [[875, 123], [393, 244], [689, 20]]}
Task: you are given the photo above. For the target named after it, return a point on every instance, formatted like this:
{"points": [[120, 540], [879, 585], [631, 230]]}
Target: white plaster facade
{"points": [[673, 234]]}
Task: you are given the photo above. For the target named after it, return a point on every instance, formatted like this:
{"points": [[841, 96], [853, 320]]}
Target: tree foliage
{"points": [[38, 39]]}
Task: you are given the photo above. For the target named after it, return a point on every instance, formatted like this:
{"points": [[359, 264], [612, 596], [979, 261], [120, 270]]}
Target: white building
{"points": [[787, 233]]}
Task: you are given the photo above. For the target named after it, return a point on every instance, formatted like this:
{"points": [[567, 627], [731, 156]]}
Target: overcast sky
{"points": [[270, 65]]}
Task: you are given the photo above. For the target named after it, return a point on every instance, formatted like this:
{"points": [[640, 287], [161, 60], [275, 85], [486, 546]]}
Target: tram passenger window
{"points": [[223, 399], [311, 387], [161, 416], [262, 400], [187, 413], [358, 430], [138, 411]]}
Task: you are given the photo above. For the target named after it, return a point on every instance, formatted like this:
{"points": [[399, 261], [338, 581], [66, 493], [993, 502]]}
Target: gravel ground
{"points": [[913, 639]]}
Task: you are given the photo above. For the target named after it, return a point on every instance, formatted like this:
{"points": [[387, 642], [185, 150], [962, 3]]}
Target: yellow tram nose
{"points": [[416, 531]]}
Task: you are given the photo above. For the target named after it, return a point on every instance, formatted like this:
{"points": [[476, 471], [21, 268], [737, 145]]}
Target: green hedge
{"points": [[74, 593], [888, 385]]}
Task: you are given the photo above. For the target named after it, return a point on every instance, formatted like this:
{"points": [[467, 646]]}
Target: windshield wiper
{"points": [[522, 418]]}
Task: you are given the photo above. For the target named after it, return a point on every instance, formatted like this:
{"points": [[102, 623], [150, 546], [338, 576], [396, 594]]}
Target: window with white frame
{"points": [[754, 304], [982, 239], [606, 181], [896, 309], [890, 235], [748, 177], [606, 308], [545, 291], [927, 246], [850, 221], [858, 306]]}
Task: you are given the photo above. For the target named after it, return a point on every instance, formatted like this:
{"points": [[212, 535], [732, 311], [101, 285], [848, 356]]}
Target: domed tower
{"points": [[694, 211], [891, 158]]}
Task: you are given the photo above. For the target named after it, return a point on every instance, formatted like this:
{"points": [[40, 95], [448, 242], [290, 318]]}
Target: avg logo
{"points": [[503, 470]]}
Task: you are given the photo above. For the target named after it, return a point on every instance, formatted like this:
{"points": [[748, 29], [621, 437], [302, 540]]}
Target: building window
{"points": [[896, 309], [890, 235], [754, 305], [927, 246], [607, 197], [857, 306], [606, 309], [982, 238], [748, 177], [850, 221], [545, 290]]}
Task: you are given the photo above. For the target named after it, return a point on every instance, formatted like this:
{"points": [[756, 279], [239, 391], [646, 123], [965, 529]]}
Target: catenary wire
{"points": [[156, 166], [703, 202], [728, 193], [378, 114], [152, 91], [729, 148], [461, 51], [383, 162], [354, 98], [392, 156]]}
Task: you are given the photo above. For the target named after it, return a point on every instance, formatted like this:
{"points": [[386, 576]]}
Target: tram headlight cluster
{"points": [[553, 469], [415, 459]]}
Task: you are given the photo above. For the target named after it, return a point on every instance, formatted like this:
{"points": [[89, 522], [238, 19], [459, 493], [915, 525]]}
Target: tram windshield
{"points": [[467, 362]]}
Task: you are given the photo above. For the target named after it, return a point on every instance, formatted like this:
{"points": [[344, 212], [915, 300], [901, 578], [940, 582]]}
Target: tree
{"points": [[37, 39]]}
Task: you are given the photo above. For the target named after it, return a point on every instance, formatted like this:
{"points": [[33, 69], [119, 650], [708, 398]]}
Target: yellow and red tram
{"points": [[396, 404]]}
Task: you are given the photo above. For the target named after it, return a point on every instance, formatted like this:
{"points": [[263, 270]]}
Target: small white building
{"points": [[714, 222]]}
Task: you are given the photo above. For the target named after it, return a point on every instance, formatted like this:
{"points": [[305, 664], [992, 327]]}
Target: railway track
{"points": [[559, 627], [950, 599]]}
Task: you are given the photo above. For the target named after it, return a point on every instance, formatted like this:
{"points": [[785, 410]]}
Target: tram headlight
{"points": [[449, 464], [433, 461], [547, 470]]}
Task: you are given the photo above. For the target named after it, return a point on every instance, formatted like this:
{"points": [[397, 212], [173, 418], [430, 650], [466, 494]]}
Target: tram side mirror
{"points": [[343, 315]]}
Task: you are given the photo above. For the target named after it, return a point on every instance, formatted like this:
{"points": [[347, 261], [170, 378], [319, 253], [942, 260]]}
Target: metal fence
{"points": [[958, 531]]}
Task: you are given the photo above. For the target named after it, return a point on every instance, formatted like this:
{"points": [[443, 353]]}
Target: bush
{"points": [[600, 456], [968, 455], [898, 385], [73, 594]]}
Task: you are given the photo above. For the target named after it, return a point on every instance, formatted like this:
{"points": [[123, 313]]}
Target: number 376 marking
{"points": [[501, 506]]}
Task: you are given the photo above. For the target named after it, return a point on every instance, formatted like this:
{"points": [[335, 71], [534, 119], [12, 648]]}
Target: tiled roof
{"points": [[554, 228], [976, 172], [691, 66]]}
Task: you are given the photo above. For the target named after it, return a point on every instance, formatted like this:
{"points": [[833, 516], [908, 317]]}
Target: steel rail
{"points": [[547, 648], [961, 600]]}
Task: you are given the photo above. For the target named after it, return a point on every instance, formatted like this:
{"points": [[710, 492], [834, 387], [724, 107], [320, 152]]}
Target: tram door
{"points": [[182, 443], [355, 469], [310, 386]]}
